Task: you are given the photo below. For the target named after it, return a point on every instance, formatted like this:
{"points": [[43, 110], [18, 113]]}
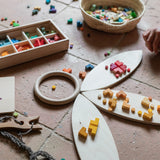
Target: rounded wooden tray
{"points": [[56, 101]]}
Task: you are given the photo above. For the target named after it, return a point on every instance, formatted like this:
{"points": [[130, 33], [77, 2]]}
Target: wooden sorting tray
{"points": [[14, 57]]}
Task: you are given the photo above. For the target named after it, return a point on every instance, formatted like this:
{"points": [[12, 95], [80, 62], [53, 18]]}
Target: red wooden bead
{"points": [[106, 67], [117, 75], [128, 70]]}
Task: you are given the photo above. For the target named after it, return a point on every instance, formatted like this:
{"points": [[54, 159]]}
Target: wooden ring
{"points": [[55, 101]]}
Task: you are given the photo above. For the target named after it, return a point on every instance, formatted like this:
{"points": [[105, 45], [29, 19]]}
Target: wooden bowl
{"points": [[137, 5]]}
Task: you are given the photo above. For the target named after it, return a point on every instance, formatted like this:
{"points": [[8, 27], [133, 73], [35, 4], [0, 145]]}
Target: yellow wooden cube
{"points": [[126, 106], [158, 108], [107, 93], [112, 103], [92, 130], [145, 102], [95, 122], [147, 116], [82, 133]]}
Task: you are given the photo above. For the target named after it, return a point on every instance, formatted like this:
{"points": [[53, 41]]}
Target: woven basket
{"points": [[137, 5]]}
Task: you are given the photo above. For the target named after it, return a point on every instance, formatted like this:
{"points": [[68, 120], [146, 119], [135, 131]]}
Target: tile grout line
{"points": [[82, 58], [53, 132], [145, 83]]}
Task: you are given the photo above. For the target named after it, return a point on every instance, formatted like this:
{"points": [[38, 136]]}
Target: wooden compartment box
{"points": [[27, 35]]}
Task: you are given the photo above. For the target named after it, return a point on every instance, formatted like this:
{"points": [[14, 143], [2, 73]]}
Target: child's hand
{"points": [[152, 39]]}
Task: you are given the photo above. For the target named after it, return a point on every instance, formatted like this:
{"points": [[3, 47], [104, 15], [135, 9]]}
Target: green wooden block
{"points": [[70, 21], [15, 114]]}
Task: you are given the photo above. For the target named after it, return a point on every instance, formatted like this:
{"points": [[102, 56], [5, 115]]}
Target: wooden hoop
{"points": [[55, 101]]}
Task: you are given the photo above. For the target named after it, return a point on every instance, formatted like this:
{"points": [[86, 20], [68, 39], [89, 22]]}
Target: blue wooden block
{"points": [[89, 67], [120, 20], [53, 10], [79, 24]]}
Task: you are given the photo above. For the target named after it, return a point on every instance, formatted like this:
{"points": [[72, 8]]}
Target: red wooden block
{"points": [[123, 67], [118, 63], [118, 71]]}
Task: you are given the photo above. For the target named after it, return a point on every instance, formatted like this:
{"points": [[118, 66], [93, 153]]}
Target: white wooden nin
{"points": [[100, 78], [134, 101], [48, 48], [102, 147], [7, 94]]}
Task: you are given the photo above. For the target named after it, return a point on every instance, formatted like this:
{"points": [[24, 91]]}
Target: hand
{"points": [[152, 39]]}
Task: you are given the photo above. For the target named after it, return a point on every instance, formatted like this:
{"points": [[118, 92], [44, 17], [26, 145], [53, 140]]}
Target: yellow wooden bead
{"points": [[53, 87], [139, 113], [149, 110]]}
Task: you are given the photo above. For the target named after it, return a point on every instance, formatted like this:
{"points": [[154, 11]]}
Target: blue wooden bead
{"points": [[48, 1]]}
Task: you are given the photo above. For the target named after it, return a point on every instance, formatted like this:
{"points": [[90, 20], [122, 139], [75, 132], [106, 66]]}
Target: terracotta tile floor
{"points": [[134, 141]]}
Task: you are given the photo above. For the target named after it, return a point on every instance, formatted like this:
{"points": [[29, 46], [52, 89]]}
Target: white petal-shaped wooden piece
{"points": [[102, 147], [134, 101], [100, 78]]}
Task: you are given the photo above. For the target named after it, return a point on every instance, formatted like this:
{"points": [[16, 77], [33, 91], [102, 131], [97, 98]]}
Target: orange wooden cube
{"points": [[69, 70], [121, 95]]}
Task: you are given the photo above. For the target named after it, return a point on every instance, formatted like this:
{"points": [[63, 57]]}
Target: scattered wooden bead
{"points": [[127, 99], [104, 101], [99, 96], [81, 28], [106, 67], [53, 87], [133, 110], [152, 106], [140, 113], [117, 75], [110, 109], [48, 1], [150, 99], [71, 45], [128, 70], [149, 110]]}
